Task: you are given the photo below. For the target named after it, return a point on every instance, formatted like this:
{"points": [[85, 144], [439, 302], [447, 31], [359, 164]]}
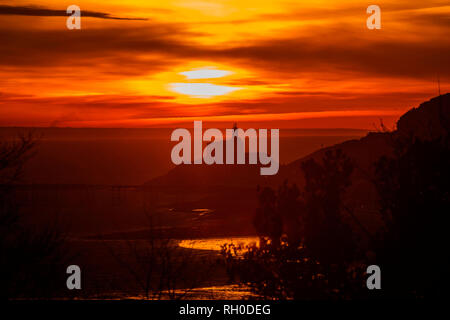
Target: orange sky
{"points": [[261, 63]]}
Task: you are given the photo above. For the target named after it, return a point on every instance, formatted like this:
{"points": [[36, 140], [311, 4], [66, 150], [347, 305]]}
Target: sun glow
{"points": [[221, 81], [205, 73], [202, 90]]}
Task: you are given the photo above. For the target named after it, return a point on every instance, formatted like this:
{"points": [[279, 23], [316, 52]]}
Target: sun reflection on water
{"points": [[215, 244]]}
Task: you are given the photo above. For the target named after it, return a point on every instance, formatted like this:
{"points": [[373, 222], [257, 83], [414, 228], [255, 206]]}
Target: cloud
{"points": [[343, 49], [112, 52], [306, 67], [345, 53], [45, 12], [147, 110], [138, 50]]}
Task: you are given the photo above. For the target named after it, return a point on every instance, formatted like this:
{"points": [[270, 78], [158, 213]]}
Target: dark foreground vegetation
{"points": [[313, 246], [31, 259]]}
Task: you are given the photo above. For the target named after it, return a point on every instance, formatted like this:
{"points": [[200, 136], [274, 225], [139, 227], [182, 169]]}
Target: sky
{"points": [[267, 64]]}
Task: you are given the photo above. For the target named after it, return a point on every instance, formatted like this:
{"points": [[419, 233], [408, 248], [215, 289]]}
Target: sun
{"points": [[202, 89]]}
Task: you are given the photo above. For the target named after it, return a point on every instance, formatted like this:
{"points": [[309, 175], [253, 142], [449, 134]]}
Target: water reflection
{"points": [[215, 244], [225, 292]]}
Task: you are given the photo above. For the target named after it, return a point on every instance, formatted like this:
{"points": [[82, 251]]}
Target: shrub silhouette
{"points": [[306, 247], [30, 260], [414, 189], [327, 236]]}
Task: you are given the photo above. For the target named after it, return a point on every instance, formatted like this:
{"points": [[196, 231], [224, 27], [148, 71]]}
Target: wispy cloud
{"points": [[289, 58], [46, 12]]}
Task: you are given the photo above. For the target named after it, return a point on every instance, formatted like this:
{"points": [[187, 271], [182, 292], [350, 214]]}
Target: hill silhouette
{"points": [[426, 122], [238, 183]]}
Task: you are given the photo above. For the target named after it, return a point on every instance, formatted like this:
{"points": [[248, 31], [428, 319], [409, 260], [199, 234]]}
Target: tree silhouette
{"points": [[306, 246], [327, 236], [30, 260], [267, 220], [414, 190]]}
